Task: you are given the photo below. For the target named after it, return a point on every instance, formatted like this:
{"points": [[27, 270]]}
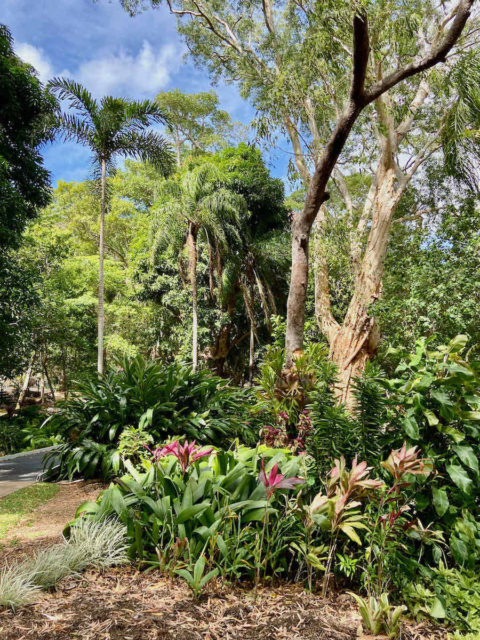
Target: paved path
{"points": [[20, 470]]}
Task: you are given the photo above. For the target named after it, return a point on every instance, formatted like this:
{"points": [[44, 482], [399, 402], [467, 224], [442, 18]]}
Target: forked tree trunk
{"points": [[359, 98], [192, 270], [101, 314], [355, 341]]}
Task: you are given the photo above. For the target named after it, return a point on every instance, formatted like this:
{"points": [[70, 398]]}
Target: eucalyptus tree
{"points": [[111, 128], [317, 72], [197, 202], [195, 121]]}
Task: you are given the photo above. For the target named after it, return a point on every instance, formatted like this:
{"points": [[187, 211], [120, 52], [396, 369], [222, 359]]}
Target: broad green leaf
{"points": [[459, 477], [189, 512], [458, 343], [411, 427], [351, 533], [467, 456], [440, 501], [437, 610], [431, 417]]}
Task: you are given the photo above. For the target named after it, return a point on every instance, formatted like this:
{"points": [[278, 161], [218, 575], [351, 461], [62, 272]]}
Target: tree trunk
{"points": [[101, 314], [251, 355], [26, 382], [192, 268], [64, 373], [211, 278], [355, 341], [42, 381], [52, 390]]}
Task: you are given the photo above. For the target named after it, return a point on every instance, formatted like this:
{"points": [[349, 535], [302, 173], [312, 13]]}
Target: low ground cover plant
{"points": [[92, 544]]}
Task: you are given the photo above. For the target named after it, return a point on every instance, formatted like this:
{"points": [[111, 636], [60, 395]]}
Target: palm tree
{"points": [[110, 128], [461, 132], [199, 203]]}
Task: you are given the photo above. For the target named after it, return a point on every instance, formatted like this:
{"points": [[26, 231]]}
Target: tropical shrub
{"points": [[447, 595], [224, 506], [163, 400], [283, 395], [437, 396]]}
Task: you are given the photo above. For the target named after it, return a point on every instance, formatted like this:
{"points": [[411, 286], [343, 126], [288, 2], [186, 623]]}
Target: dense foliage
{"points": [[25, 110], [165, 400]]}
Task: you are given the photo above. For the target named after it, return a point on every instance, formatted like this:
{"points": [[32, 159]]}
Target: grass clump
{"points": [[22, 502], [96, 544], [103, 542], [16, 587]]}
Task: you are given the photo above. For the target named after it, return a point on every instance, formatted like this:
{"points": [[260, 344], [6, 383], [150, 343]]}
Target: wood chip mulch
{"points": [[124, 604]]}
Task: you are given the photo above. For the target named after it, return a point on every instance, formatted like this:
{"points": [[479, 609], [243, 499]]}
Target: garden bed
{"points": [[124, 604]]}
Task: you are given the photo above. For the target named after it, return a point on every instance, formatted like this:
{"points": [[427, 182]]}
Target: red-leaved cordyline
{"points": [[276, 480], [402, 461], [186, 454]]}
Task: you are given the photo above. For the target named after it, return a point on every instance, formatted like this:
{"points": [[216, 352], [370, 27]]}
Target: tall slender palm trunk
{"points": [[192, 258], [101, 313]]}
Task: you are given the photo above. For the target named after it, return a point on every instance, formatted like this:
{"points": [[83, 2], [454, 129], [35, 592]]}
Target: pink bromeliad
{"points": [[186, 454], [275, 480]]}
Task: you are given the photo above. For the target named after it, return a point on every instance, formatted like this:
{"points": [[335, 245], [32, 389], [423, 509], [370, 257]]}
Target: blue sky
{"points": [[101, 46]]}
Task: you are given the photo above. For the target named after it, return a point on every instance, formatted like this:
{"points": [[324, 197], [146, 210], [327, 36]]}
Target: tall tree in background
{"points": [[110, 128], [194, 121], [200, 203], [312, 71], [25, 109]]}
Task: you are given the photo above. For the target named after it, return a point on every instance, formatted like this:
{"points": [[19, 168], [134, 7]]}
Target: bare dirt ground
{"points": [[45, 524], [125, 604]]}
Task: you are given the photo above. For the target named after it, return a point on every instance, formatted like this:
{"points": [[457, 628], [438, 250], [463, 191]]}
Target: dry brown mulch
{"points": [[124, 604]]}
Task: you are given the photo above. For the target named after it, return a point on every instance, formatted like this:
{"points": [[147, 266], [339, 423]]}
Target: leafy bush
{"points": [[215, 506], [437, 396], [24, 431], [447, 595], [165, 400]]}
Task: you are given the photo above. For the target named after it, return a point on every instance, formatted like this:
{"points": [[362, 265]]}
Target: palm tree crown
{"points": [[112, 126]]}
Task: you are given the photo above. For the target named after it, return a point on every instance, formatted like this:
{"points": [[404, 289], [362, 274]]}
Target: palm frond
{"points": [[72, 127], [77, 95], [147, 146]]}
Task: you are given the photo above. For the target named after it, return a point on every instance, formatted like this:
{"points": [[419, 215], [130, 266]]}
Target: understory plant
{"points": [[379, 616], [192, 503], [164, 401]]}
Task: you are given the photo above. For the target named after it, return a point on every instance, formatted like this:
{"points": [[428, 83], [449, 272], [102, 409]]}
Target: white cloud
{"points": [[35, 57], [131, 75], [122, 73]]}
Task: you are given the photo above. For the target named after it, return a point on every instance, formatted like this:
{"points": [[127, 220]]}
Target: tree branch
{"points": [[437, 54], [361, 52]]}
